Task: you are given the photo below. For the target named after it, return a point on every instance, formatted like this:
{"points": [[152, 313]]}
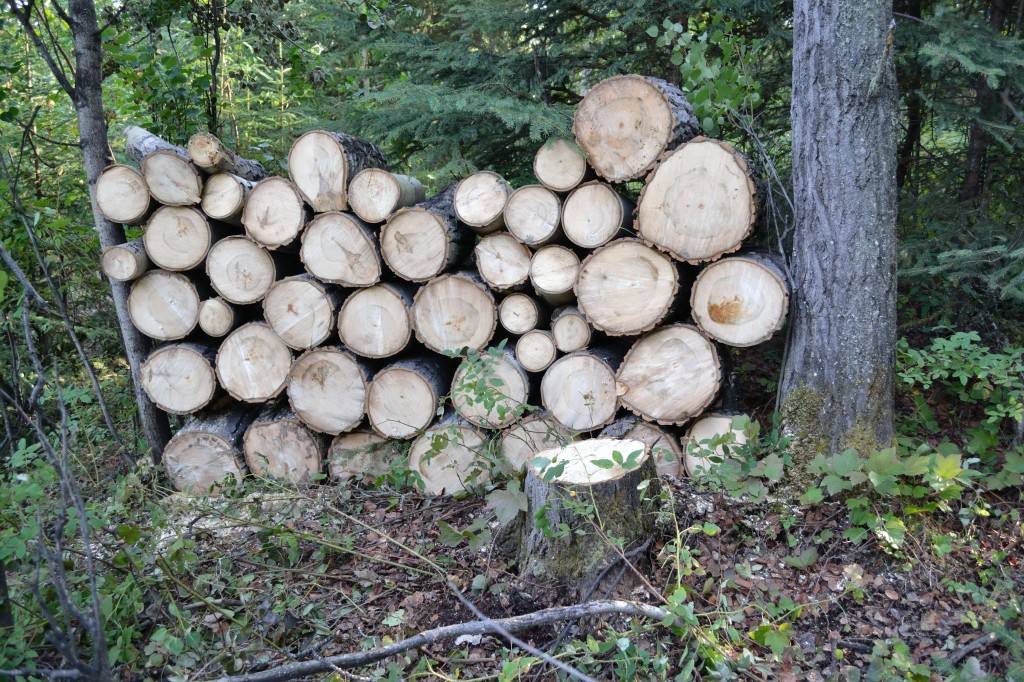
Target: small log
{"points": [[559, 165], [480, 200], [362, 454], [626, 287], [125, 262], [178, 238], [580, 390], [217, 317], [670, 375], [122, 195], [533, 215], [580, 556], [301, 310], [274, 214], [404, 396], [239, 270], [374, 194], [342, 249], [521, 442], [140, 143], [278, 445], [741, 301], [213, 156], [502, 261], [535, 350], [698, 454], [164, 305], [206, 452], [253, 363], [553, 273], [519, 313], [661, 443], [180, 377], [224, 197], [490, 389], [448, 456], [322, 163], [327, 389], [453, 312], [376, 322], [625, 123], [422, 241], [700, 203], [594, 214], [570, 329]]}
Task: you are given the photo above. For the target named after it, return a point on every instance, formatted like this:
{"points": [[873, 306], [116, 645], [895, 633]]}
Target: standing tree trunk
{"points": [[837, 383]]}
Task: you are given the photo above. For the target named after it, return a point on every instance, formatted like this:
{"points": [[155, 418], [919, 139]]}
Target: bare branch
{"points": [[24, 17]]}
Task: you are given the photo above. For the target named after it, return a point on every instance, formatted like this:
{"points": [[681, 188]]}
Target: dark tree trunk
{"points": [[915, 111], [838, 377]]}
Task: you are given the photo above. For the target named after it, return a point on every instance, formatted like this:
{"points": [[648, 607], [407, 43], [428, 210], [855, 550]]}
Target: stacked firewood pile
{"points": [[312, 319]]}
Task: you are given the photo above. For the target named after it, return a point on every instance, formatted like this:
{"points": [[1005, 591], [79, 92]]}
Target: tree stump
{"points": [[536, 432]]}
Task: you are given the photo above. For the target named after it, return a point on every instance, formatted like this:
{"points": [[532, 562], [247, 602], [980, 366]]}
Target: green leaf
{"points": [[805, 559], [711, 529], [773, 465], [845, 463], [507, 503], [603, 463], [653, 31], [448, 535], [812, 496], [130, 534], [947, 467], [394, 619]]}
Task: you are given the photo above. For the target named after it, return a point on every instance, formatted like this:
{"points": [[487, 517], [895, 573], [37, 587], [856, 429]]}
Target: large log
{"points": [[404, 396], [224, 197], [521, 442], [535, 350], [374, 194], [274, 214], [519, 313], [625, 123], [301, 310], [553, 273], [240, 271], [594, 214], [422, 241], [140, 143], [213, 156], [362, 454], [533, 215], [670, 375], [180, 377], [322, 163], [704, 444], [125, 262], [178, 238], [448, 456], [164, 305], [700, 202], [490, 389], [661, 443], [376, 322], [580, 390], [253, 363], [502, 261], [453, 312], [327, 389], [626, 287], [741, 301], [480, 200], [206, 451], [559, 165], [591, 498], [278, 445], [342, 249], [570, 329], [123, 196]]}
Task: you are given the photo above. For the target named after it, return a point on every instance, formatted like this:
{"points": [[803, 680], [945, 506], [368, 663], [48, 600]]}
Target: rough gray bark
{"points": [[838, 376]]}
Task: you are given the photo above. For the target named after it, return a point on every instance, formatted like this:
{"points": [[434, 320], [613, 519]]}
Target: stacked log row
{"points": [[343, 302]]}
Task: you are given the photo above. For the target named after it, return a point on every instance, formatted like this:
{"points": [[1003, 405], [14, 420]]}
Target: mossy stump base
{"points": [[572, 517]]}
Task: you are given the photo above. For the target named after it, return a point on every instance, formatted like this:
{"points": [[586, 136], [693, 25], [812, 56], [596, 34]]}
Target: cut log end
{"points": [[239, 270], [535, 350], [322, 163], [374, 194], [340, 248], [279, 446], [453, 312], [521, 442], [480, 200], [172, 179], [274, 214], [518, 313], [125, 262], [699, 455], [447, 457], [122, 195], [553, 272], [164, 305], [327, 388], [503, 261], [594, 214], [741, 301], [179, 378], [490, 389], [216, 317], [403, 399], [580, 390], [533, 215], [253, 363], [376, 322], [177, 238], [301, 310], [560, 165], [362, 454]]}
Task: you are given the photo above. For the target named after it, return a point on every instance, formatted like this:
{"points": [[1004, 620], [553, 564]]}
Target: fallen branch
{"points": [[979, 643], [292, 671]]}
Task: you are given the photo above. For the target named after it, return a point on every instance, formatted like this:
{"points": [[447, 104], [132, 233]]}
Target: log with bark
{"points": [[626, 287], [553, 273], [661, 442], [539, 431], [519, 313], [625, 123], [422, 241], [206, 451], [327, 388], [301, 310], [164, 305], [559, 165], [490, 389], [480, 201], [240, 271], [342, 249], [362, 454], [533, 215], [180, 377], [503, 261], [274, 213], [179, 237], [125, 262], [447, 456], [403, 399], [594, 214], [670, 375], [213, 156], [453, 312], [278, 445], [253, 363], [376, 322], [140, 143], [374, 194], [580, 390], [700, 202], [570, 329], [741, 301], [535, 350], [123, 196], [224, 197], [699, 453], [322, 163]]}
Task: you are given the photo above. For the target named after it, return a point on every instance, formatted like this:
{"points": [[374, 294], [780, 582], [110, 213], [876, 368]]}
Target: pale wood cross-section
{"points": [[580, 390], [207, 451], [519, 313], [301, 310], [741, 301], [342, 249], [533, 215], [699, 455], [453, 312], [213, 156], [180, 378], [239, 270], [122, 195], [278, 445], [327, 389], [480, 200], [447, 456], [670, 375], [217, 317], [274, 214], [374, 194], [661, 443], [535, 350], [594, 214], [253, 363], [376, 322], [322, 163], [553, 273], [172, 180], [524, 439], [559, 165], [125, 262], [570, 329], [502, 260], [404, 396], [626, 287], [224, 197], [178, 237], [490, 389], [164, 305], [361, 454], [422, 241]]}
